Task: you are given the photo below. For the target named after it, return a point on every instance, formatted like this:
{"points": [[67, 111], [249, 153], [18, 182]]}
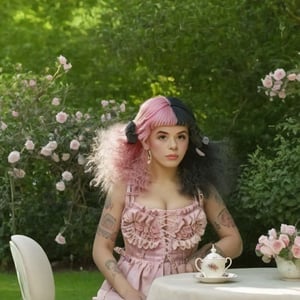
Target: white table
{"points": [[252, 283]]}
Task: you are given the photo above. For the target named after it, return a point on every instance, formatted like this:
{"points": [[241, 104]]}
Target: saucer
{"points": [[226, 277]]}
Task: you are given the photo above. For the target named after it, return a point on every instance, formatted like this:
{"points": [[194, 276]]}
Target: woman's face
{"points": [[168, 145]]}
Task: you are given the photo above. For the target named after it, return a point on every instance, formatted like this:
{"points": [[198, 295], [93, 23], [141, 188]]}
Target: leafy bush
{"points": [[43, 148]]}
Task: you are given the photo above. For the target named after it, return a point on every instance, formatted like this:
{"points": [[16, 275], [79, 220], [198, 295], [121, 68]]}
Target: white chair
{"points": [[34, 272]]}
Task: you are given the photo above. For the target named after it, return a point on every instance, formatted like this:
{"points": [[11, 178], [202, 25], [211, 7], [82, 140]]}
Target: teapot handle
{"points": [[228, 262], [196, 264]]}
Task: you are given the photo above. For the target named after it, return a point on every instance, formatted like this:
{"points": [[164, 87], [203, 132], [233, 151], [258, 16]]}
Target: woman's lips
{"points": [[172, 156]]}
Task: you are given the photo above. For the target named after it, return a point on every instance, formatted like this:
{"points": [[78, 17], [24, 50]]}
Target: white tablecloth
{"points": [[250, 283]]}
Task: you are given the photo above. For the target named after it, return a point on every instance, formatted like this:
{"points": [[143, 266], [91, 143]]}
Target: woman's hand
{"points": [[134, 295]]}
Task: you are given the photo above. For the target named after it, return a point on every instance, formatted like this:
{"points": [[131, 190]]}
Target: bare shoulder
{"points": [[116, 195]]}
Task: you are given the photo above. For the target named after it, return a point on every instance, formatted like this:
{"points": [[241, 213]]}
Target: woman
{"points": [[159, 176]]}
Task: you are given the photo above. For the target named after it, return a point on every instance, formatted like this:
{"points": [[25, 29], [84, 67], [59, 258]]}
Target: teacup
{"points": [[213, 265]]}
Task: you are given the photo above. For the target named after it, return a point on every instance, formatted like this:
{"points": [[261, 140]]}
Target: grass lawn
{"points": [[70, 285]]}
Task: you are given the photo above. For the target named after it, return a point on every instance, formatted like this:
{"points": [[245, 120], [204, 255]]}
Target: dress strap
{"points": [[130, 195]]}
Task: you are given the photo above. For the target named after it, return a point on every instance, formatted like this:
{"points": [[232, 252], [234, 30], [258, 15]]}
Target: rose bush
{"points": [[43, 147], [281, 83]]}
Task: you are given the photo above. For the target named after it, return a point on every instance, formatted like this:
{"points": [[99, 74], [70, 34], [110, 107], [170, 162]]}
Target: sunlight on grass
{"points": [[75, 285]]}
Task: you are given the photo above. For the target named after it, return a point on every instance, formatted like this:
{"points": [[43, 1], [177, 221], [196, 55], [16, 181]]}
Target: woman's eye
{"points": [[182, 137], [162, 137]]}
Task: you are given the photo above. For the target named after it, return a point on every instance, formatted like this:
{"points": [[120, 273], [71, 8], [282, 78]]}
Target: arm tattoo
{"points": [[106, 227], [224, 218], [112, 266]]}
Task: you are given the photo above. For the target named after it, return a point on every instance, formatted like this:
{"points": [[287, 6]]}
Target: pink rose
{"points": [[62, 60], [298, 77], [13, 157], [297, 241], [55, 101], [282, 94], [19, 173], [78, 115], [67, 176], [46, 151], [67, 67], [272, 233], [60, 239], [277, 246], [287, 229], [60, 186], [29, 145], [279, 74], [55, 157], [65, 156], [296, 251], [61, 117], [285, 239], [267, 82], [104, 103], [81, 159], [49, 77], [74, 145], [292, 77], [52, 145], [32, 83], [15, 114]]}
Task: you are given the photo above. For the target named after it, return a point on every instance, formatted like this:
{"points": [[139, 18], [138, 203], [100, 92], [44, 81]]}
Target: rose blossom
{"points": [[297, 241], [62, 60], [292, 77], [287, 229], [60, 239], [49, 77], [46, 151], [61, 117], [272, 233], [282, 94], [13, 157], [67, 67], [19, 173], [15, 114], [267, 81], [65, 156], [279, 74], [60, 186], [32, 83], [67, 176], [74, 145], [104, 103], [277, 246], [78, 115], [285, 239], [55, 157], [298, 77], [29, 145], [296, 251], [52, 145], [55, 101]]}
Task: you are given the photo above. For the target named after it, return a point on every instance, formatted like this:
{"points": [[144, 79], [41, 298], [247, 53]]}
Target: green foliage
{"points": [[268, 189]]}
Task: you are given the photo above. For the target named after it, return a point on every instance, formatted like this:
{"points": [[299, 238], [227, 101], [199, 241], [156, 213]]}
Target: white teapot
{"points": [[213, 264]]}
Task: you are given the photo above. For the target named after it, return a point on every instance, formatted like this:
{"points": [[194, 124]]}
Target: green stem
{"points": [[13, 211]]}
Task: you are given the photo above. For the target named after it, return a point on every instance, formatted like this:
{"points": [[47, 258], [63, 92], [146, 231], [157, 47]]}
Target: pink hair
{"points": [[113, 159]]}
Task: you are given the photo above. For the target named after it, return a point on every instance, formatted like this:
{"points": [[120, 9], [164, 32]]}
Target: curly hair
{"points": [[117, 152]]}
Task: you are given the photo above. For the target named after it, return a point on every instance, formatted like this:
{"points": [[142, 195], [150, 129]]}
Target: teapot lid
{"points": [[213, 254]]}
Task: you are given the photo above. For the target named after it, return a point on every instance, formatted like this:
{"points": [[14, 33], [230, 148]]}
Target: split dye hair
{"points": [[118, 154]]}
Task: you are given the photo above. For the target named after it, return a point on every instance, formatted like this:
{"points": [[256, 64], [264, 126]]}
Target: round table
{"points": [[250, 283]]}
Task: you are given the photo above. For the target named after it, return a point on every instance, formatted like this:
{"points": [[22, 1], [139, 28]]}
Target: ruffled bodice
{"points": [[157, 242]]}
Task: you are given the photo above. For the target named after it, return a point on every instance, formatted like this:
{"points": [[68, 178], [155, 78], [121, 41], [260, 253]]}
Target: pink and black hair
{"points": [[118, 153]]}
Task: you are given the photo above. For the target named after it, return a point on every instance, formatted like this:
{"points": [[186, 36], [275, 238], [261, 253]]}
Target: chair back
{"points": [[34, 272]]}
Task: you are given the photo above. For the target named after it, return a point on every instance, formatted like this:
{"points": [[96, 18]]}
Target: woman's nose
{"points": [[172, 144]]}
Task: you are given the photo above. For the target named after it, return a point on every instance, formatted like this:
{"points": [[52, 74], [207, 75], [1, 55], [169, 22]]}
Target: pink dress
{"points": [[157, 243]]}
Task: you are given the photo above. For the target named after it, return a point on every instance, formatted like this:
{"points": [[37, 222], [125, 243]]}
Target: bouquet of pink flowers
{"points": [[285, 243]]}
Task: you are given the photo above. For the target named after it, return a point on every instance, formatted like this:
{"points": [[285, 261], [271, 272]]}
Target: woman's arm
{"points": [[230, 241], [107, 232]]}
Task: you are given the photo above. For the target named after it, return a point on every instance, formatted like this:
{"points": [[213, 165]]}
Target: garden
{"points": [[70, 67]]}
